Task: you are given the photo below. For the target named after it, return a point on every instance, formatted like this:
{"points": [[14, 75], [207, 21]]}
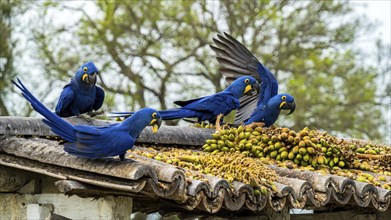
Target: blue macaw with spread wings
{"points": [[209, 107], [236, 60], [81, 95], [91, 141]]}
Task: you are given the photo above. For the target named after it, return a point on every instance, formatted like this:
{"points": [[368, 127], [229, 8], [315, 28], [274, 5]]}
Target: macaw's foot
{"points": [[122, 157], [255, 124], [95, 113], [86, 117], [218, 121]]}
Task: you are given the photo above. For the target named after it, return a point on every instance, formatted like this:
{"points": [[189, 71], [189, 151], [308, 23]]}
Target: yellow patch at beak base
{"points": [[282, 104], [84, 77], [155, 127], [248, 88]]}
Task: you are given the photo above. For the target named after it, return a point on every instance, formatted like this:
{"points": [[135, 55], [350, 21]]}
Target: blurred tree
{"points": [[9, 9], [151, 50]]}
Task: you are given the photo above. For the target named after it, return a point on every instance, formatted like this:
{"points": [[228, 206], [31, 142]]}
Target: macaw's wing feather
{"points": [[58, 125], [187, 102], [236, 60], [219, 103], [100, 96], [66, 97], [96, 142]]}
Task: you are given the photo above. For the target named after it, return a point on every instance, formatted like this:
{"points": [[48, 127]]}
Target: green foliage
{"points": [[144, 48]]}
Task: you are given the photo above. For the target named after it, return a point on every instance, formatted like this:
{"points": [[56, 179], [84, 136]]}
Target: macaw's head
{"points": [[244, 85], [87, 73], [284, 102], [148, 117]]}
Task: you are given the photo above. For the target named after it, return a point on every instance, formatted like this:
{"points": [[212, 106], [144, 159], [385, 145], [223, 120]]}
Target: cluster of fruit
{"points": [[304, 148], [230, 166]]}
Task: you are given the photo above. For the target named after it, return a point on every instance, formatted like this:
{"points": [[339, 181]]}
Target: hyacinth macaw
{"points": [[209, 107], [81, 95], [236, 60], [91, 141]]}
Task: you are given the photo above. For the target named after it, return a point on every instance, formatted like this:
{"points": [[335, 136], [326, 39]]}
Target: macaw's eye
{"points": [[85, 69], [283, 97], [247, 80], [154, 115]]}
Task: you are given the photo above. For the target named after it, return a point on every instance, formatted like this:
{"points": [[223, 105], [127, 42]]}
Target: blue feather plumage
{"points": [[91, 141], [209, 107], [81, 95]]}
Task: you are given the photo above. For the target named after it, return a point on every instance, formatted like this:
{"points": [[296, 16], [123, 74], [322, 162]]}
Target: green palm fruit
{"points": [[225, 149], [296, 161], [224, 137], [314, 162], [255, 133], [308, 143], [302, 144], [274, 138], [248, 146], [213, 146], [295, 149], [284, 136], [331, 163], [248, 134], [205, 146], [284, 154], [240, 129], [220, 143], [336, 151], [329, 153], [303, 163], [290, 139], [215, 151], [229, 144], [299, 156], [360, 150], [321, 160], [231, 137], [291, 155], [361, 179], [303, 151], [283, 149], [273, 154], [382, 178], [297, 139], [292, 133], [324, 149], [278, 158], [336, 160], [310, 150], [314, 140], [278, 145], [207, 149], [216, 136], [249, 129], [272, 147], [306, 157], [304, 133], [341, 164]]}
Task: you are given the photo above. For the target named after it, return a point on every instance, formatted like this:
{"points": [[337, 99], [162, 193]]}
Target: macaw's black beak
{"points": [[90, 78], [156, 123], [288, 106], [254, 89]]}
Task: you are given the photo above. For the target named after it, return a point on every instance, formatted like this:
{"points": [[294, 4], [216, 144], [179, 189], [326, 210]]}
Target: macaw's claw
{"points": [[218, 121], [95, 113]]}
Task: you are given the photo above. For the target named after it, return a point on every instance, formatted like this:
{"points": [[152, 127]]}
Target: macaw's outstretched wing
{"points": [[67, 95], [219, 103], [236, 60]]}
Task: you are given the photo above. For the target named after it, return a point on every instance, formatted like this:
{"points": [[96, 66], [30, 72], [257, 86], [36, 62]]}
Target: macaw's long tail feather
{"points": [[120, 114], [80, 150], [177, 113], [58, 125]]}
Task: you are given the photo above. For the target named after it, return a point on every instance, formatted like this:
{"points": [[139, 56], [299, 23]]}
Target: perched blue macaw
{"points": [[81, 95], [209, 107], [236, 61], [96, 142]]}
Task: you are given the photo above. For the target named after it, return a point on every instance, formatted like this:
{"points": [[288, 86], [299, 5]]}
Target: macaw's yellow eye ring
{"points": [[247, 80], [85, 69], [154, 115], [283, 97]]}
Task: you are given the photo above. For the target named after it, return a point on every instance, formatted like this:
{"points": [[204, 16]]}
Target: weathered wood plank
{"points": [[180, 135]]}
